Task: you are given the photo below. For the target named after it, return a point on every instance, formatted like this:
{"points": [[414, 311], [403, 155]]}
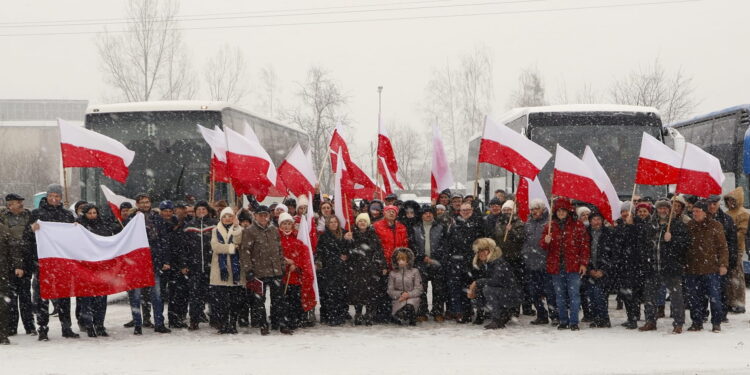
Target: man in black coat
{"points": [[50, 209], [195, 260], [459, 253], [490, 221], [428, 245], [16, 218], [664, 265], [598, 276]]}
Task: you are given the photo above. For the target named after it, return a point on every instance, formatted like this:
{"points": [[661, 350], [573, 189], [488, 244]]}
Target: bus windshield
{"points": [[616, 147]]}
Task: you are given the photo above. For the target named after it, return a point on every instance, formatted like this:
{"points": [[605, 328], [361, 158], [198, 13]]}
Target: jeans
{"points": [[567, 289], [135, 303], [93, 311], [653, 287], [597, 295], [700, 287]]}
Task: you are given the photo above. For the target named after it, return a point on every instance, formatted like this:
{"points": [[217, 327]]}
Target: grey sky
{"points": [[707, 39]]}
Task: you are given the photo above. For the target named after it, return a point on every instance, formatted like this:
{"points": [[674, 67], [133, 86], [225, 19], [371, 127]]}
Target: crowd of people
{"points": [[214, 264]]}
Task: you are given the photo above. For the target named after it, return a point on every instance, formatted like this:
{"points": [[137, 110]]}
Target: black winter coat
{"points": [[437, 235], [365, 267], [667, 258], [498, 276], [603, 261], [166, 250], [459, 252], [632, 241], [195, 245], [330, 250]]}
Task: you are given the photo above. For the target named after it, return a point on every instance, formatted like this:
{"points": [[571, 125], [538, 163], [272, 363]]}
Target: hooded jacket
{"points": [[570, 242], [404, 279], [498, 279], [740, 215], [708, 248]]}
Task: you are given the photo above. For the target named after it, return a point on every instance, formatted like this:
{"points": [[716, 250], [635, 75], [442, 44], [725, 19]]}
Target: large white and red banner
{"points": [[657, 163], [700, 173], [610, 206], [297, 172], [74, 262], [217, 141], [441, 177], [572, 178], [503, 147], [387, 163], [114, 201], [342, 188], [249, 165], [83, 148]]}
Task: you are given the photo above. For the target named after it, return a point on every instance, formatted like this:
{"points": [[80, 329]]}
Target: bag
{"points": [[256, 286]]}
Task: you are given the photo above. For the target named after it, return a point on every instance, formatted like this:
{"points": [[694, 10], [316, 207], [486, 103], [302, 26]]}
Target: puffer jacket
{"points": [[391, 237], [404, 279], [364, 267], [534, 257]]}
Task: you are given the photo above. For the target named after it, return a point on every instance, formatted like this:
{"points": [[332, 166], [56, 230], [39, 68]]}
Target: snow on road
{"points": [[430, 348]]}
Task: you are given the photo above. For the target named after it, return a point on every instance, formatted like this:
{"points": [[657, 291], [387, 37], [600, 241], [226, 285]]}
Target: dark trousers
{"points": [[179, 298], [434, 277], [228, 302], [702, 287], [272, 286], [652, 290], [292, 314], [4, 307], [539, 286], [93, 311], [632, 296], [492, 301], [334, 302], [21, 304], [42, 308], [198, 294], [596, 294], [519, 272], [725, 303], [458, 282]]}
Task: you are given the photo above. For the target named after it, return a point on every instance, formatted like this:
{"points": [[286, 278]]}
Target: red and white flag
{"points": [[341, 188], [387, 163], [572, 178], [88, 149], [74, 262], [441, 177], [700, 173], [217, 141], [114, 201], [528, 190], [610, 208], [503, 147], [249, 166], [310, 292], [297, 172], [364, 186], [657, 163]]}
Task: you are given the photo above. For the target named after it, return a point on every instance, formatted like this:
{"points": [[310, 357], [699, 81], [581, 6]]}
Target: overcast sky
{"points": [[707, 39]]}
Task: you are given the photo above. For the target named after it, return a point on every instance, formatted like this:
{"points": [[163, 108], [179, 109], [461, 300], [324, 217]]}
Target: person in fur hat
{"points": [[497, 293]]}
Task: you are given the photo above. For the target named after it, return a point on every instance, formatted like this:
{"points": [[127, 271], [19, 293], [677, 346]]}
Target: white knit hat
{"points": [[583, 210], [226, 211], [302, 201], [509, 204], [284, 217]]}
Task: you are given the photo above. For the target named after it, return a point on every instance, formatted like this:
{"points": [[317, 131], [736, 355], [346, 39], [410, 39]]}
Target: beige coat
{"points": [[226, 248]]}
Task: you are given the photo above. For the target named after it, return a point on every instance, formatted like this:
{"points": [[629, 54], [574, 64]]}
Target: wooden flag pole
{"points": [[552, 207], [671, 213], [65, 187], [632, 199], [507, 227]]}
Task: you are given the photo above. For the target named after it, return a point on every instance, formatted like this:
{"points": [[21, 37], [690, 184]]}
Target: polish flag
{"points": [[365, 187], [297, 172], [249, 166], [700, 173], [341, 188], [441, 177], [657, 163], [114, 201], [572, 178], [74, 262], [507, 149], [88, 149], [309, 291], [610, 208], [217, 141], [528, 190], [387, 163]]}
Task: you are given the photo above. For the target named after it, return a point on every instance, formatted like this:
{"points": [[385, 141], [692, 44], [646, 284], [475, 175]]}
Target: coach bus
{"points": [[721, 134], [613, 132], [171, 158]]}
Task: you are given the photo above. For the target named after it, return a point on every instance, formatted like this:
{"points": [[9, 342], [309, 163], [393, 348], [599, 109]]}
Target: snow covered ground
{"points": [[430, 348]]}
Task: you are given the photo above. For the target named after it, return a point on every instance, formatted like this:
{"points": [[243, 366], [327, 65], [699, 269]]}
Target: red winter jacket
{"points": [[575, 239], [295, 250], [391, 238]]}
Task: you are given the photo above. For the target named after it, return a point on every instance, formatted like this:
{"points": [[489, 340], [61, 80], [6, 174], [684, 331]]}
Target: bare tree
{"points": [[225, 75], [138, 61], [409, 147], [476, 89], [178, 81], [530, 91], [268, 93], [443, 106], [585, 95], [320, 108], [671, 94]]}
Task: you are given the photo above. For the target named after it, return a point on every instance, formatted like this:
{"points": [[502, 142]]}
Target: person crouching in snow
{"points": [[497, 292], [404, 287]]}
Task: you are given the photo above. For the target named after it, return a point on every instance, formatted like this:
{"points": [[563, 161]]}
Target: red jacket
{"points": [[575, 239], [296, 251], [391, 238]]}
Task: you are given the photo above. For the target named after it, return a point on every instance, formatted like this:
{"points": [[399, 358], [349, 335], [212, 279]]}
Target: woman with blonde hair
{"points": [[497, 290]]}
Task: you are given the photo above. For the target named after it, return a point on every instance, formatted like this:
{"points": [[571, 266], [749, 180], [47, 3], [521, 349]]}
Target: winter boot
{"points": [[91, 332], [540, 321], [193, 326], [4, 341], [574, 327], [69, 334], [563, 327], [695, 327], [286, 330], [630, 324], [129, 324], [43, 330], [649, 326], [495, 324], [480, 317], [137, 331], [264, 330], [528, 310], [677, 330], [101, 331], [716, 328], [358, 319], [439, 318], [660, 312], [147, 323], [161, 329]]}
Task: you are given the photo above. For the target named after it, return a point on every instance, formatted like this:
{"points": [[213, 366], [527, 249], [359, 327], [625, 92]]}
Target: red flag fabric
{"points": [[84, 148], [365, 187], [249, 166], [657, 163], [387, 163], [114, 201], [217, 141], [297, 173], [529, 190], [572, 178], [503, 147], [310, 292], [700, 173], [74, 262], [610, 206], [441, 177], [342, 189]]}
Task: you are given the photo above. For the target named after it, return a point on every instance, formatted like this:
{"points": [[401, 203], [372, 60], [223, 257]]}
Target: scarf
{"points": [[223, 261]]}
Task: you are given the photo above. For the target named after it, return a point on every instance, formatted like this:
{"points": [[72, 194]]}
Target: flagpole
{"points": [[380, 111], [632, 199], [671, 213], [323, 167], [212, 182], [346, 211], [549, 224], [65, 186], [476, 180], [507, 228]]}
